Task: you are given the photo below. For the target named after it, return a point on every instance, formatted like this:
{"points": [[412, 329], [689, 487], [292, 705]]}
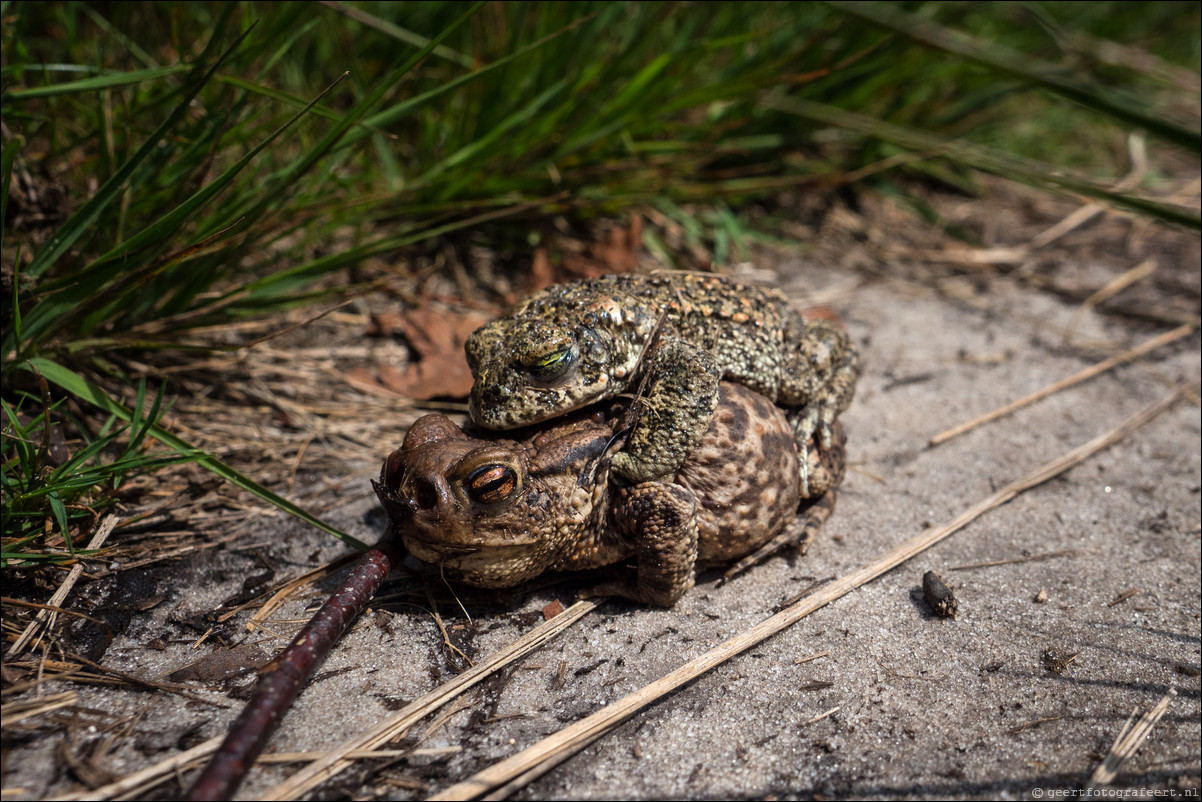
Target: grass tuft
{"points": [[77, 485]]}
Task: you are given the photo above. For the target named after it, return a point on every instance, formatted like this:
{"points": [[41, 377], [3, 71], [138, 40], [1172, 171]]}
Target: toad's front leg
{"points": [[681, 395], [658, 520]]}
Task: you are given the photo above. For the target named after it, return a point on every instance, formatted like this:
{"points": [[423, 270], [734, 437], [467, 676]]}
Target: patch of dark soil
{"points": [[110, 603]]}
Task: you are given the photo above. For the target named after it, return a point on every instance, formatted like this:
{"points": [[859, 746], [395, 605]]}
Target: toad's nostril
{"points": [[422, 495]]}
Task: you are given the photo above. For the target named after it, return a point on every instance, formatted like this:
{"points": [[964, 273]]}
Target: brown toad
{"points": [[498, 512], [574, 344]]}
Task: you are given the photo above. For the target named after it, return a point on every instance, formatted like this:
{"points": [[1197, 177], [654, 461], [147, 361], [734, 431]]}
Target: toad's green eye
{"points": [[552, 365], [491, 484]]}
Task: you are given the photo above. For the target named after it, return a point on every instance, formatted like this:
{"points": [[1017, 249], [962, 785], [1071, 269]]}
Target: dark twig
{"points": [[283, 677]]}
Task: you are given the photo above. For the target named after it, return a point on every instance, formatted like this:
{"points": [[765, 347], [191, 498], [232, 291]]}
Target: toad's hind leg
{"points": [[821, 369], [827, 468], [659, 521]]}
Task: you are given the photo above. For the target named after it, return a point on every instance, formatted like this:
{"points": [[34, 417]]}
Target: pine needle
{"points": [[1128, 742], [48, 616], [337, 760], [1055, 387]]}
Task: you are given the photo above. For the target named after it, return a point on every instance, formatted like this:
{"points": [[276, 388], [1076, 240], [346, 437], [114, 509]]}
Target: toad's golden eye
{"points": [[552, 365], [491, 483]]}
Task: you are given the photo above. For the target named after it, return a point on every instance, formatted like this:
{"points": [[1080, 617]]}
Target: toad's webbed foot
{"points": [[681, 395]]}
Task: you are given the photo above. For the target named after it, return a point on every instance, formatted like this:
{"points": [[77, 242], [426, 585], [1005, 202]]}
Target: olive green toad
{"points": [[574, 344]]}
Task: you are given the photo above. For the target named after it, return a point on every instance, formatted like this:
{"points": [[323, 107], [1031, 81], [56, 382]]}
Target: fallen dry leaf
{"points": [[619, 253], [222, 664], [439, 368]]}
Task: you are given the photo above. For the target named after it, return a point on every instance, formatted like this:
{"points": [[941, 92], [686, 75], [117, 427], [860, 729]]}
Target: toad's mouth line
{"points": [[497, 419], [442, 547]]}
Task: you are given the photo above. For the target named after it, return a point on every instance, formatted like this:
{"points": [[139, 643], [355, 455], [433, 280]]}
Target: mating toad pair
{"points": [[704, 470]]}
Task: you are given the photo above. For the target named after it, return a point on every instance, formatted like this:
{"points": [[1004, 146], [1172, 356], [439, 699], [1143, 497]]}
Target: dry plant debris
{"points": [[1129, 741], [440, 369], [1088, 373]]}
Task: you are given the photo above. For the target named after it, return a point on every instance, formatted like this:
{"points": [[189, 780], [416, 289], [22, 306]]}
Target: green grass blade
{"points": [[81, 456], [482, 143], [81, 388], [16, 321], [298, 31], [93, 287], [1007, 165], [116, 35], [305, 162], [140, 430], [109, 191], [284, 98], [1024, 67], [270, 289], [402, 35], [7, 158], [59, 510], [403, 109], [95, 83], [165, 226]]}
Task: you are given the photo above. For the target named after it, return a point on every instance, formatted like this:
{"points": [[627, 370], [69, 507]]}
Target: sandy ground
{"points": [[916, 706]]}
